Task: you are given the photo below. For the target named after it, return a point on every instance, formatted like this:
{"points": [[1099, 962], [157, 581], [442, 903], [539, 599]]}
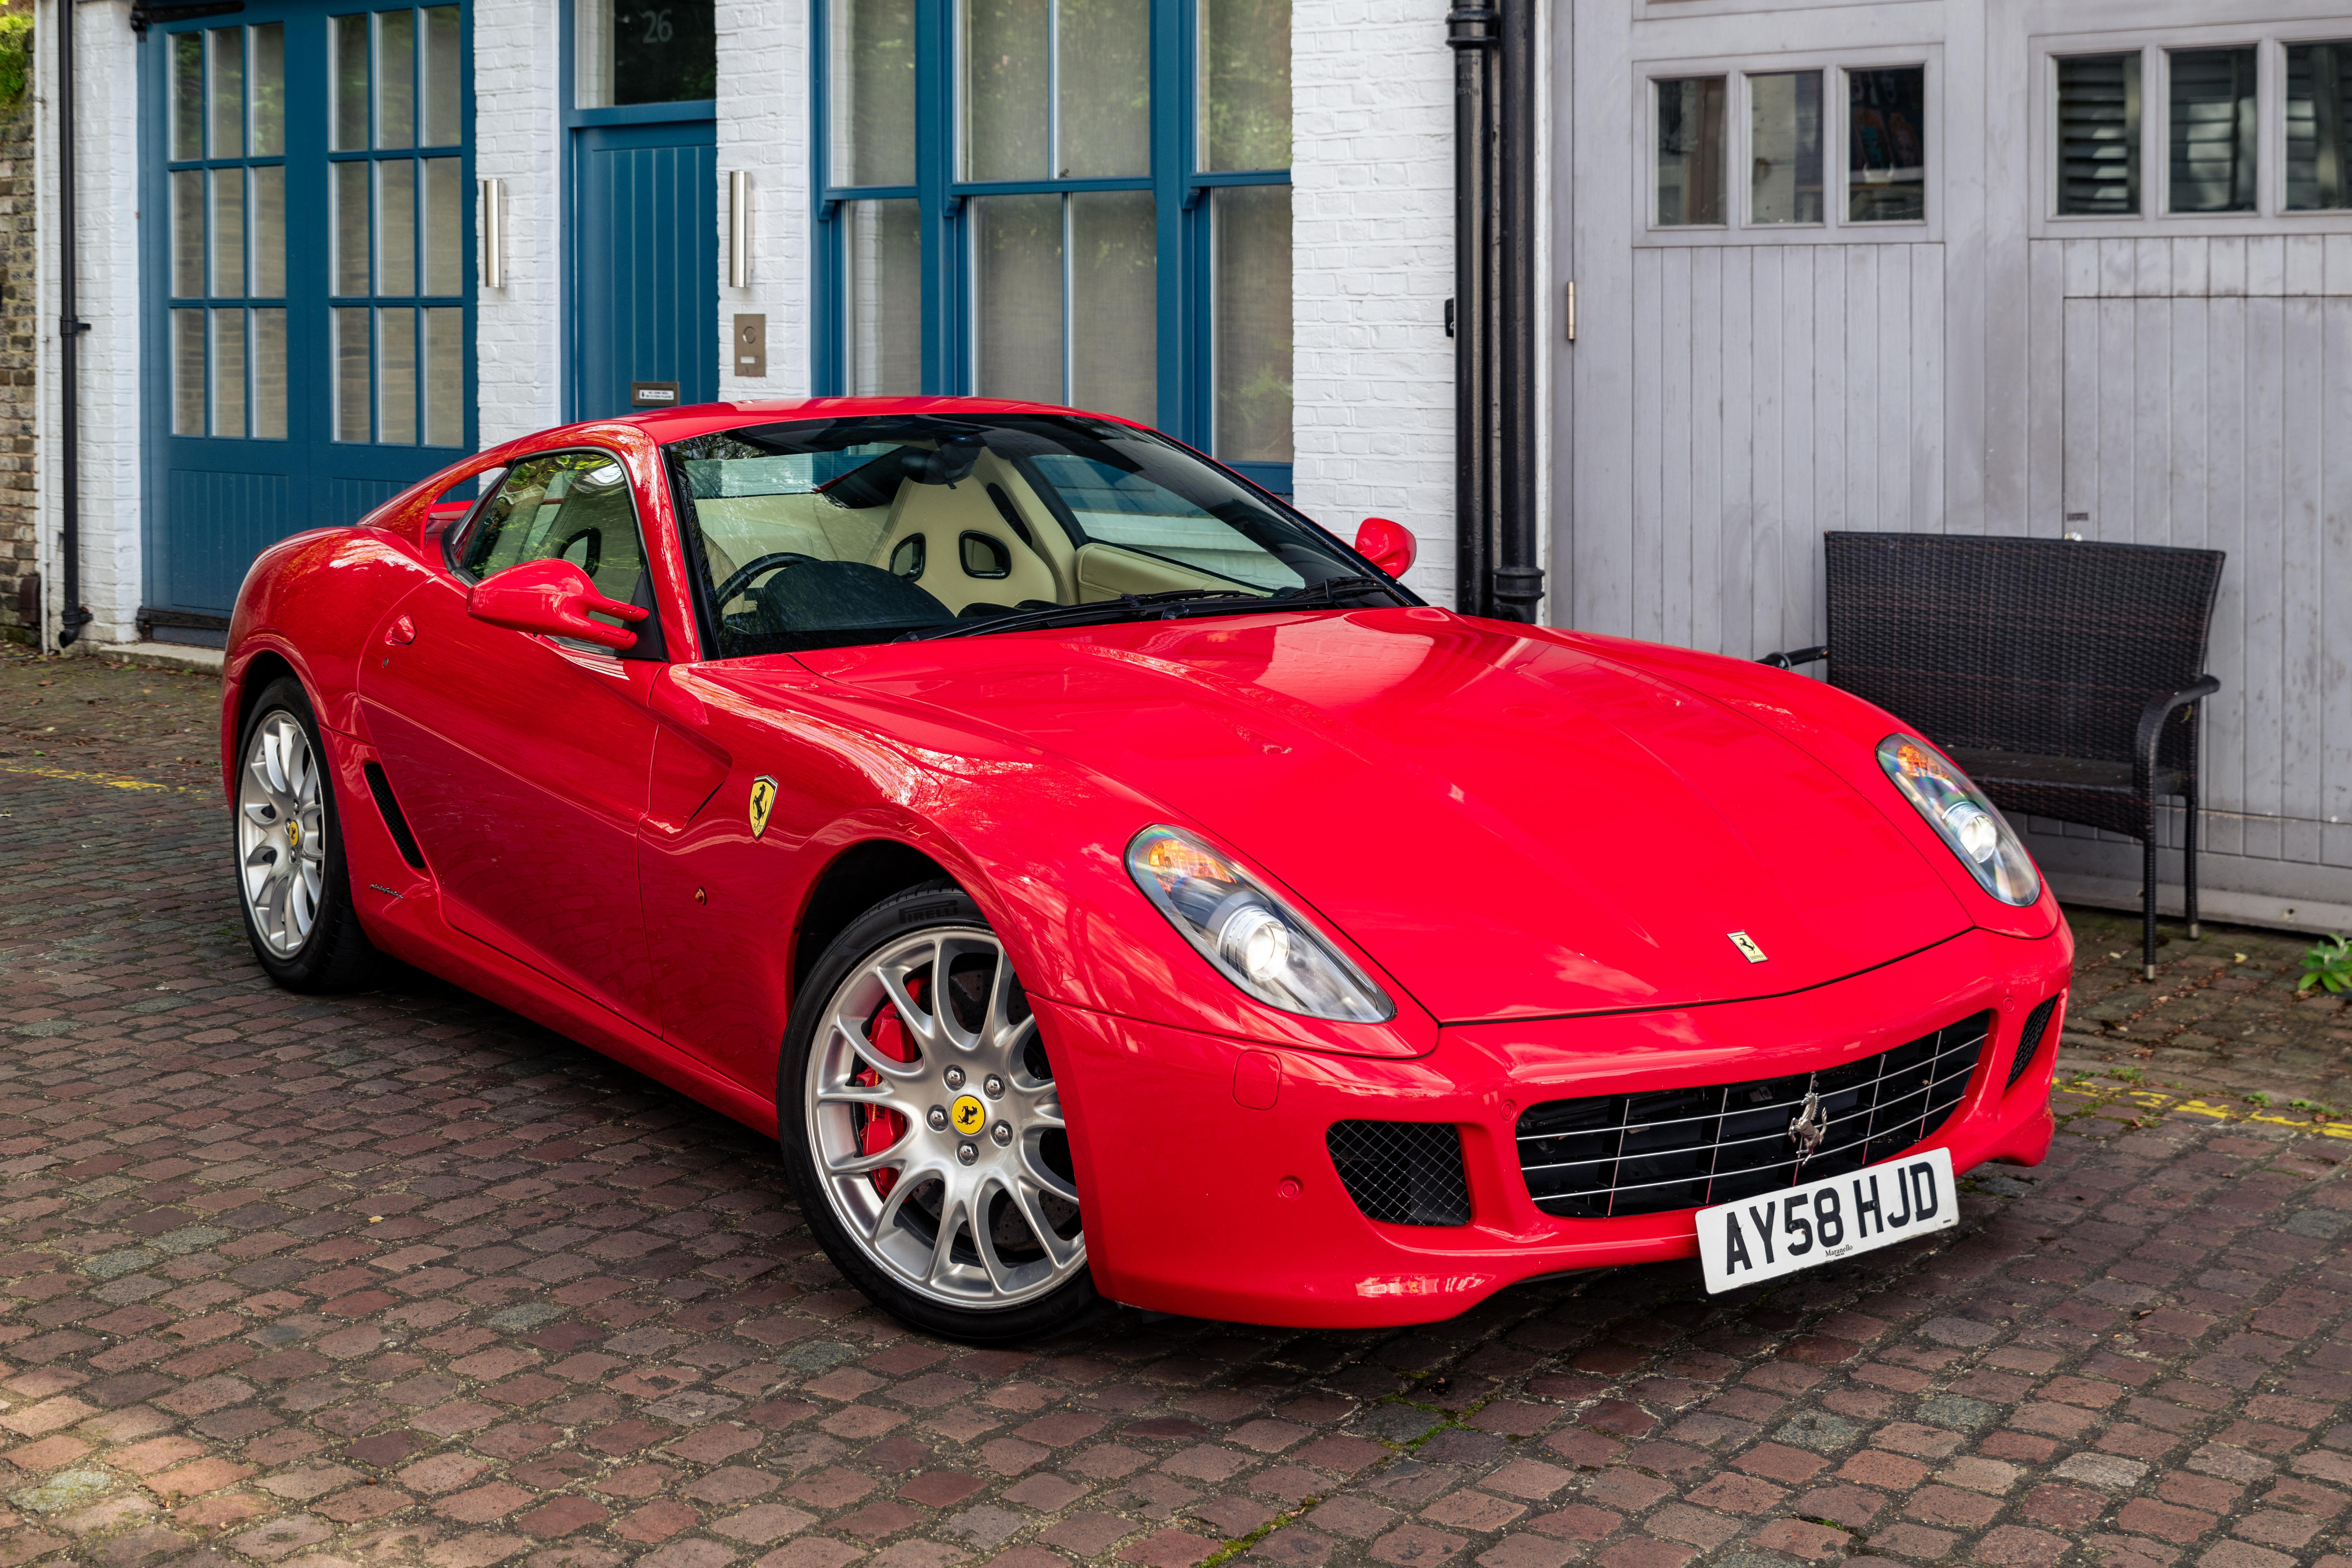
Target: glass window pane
{"points": [[592, 54], [2098, 134], [883, 336], [270, 375], [1016, 248], [1251, 275], [395, 226], [1115, 292], [1887, 145], [1244, 50], [353, 421], [872, 81], [1785, 135], [228, 372], [188, 234], [349, 39], [445, 226], [440, 68], [224, 64], [268, 216], [2212, 131], [268, 83], [1690, 150], [187, 95], [1103, 69], [228, 230], [351, 227], [187, 372], [396, 368], [654, 51], [445, 377], [395, 79], [1006, 44], [2318, 141]]}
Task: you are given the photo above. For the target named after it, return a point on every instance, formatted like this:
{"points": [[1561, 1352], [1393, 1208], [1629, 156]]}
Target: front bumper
{"points": [[1201, 1198]]}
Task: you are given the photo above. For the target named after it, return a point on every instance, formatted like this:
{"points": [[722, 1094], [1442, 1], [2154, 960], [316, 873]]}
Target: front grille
{"points": [[2028, 1038], [1684, 1148], [1402, 1173]]}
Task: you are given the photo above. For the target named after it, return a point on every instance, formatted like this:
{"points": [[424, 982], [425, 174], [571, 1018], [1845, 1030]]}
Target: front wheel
{"points": [[923, 1131], [295, 889]]}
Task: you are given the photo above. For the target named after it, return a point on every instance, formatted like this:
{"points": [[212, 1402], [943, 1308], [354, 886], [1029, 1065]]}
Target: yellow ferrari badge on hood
{"points": [[763, 798]]}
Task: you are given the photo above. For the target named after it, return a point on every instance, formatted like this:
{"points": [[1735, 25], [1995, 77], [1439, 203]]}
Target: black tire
{"points": [[934, 904], [336, 954]]}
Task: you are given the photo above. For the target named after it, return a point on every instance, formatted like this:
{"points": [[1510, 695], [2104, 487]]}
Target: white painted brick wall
{"points": [[107, 154], [519, 138], [763, 128], [1372, 238]]}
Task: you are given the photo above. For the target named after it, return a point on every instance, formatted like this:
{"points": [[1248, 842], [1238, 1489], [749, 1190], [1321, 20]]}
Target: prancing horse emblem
{"points": [[1747, 945], [763, 798], [1808, 1130]]}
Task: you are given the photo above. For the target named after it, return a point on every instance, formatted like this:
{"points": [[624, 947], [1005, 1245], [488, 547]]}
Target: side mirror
{"points": [[1387, 545], [552, 599]]}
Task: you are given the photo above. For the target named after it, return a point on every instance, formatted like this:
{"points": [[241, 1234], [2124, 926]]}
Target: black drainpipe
{"points": [[1472, 32], [73, 615], [1519, 579], [1495, 507]]}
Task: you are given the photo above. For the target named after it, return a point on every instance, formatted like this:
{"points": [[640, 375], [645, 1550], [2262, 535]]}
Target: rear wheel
{"points": [[923, 1129], [294, 890]]}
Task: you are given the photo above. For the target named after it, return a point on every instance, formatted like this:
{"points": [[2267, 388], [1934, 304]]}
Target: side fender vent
{"points": [[380, 787]]}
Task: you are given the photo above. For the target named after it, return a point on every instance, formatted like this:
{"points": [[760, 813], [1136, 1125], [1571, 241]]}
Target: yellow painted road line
{"points": [[2162, 1104], [111, 780]]}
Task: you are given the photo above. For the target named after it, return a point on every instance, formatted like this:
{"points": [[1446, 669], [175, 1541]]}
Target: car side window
{"points": [[570, 506]]}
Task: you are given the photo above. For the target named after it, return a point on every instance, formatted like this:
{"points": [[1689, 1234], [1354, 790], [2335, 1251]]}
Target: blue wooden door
{"points": [[645, 249], [308, 239]]}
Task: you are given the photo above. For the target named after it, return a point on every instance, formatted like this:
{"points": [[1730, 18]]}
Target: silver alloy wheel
{"points": [[281, 832], [973, 1212]]}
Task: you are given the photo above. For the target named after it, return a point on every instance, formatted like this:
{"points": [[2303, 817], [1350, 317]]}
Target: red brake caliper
{"points": [[877, 1130]]}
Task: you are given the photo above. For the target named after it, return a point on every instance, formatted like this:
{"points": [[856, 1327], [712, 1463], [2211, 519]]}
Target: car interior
{"points": [[914, 533]]}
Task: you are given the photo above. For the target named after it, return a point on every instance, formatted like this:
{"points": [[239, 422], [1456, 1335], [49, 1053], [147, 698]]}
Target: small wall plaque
{"points": [[751, 347], [653, 395]]}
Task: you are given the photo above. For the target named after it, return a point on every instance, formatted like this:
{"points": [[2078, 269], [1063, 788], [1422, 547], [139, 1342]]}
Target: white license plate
{"points": [[1779, 1233]]}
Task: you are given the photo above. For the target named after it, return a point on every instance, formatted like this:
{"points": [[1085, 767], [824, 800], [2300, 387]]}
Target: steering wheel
{"points": [[740, 578]]}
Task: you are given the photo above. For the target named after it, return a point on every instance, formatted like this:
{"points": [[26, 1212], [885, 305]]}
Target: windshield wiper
{"points": [[1325, 593], [1063, 615]]}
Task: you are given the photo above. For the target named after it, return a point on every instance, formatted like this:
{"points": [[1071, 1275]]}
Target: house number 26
{"points": [[657, 29]]}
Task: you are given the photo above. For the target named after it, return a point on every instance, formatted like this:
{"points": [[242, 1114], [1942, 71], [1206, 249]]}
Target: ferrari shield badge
{"points": [[1740, 939], [763, 800]]}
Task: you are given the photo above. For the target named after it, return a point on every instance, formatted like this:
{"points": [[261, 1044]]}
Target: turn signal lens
{"points": [[1252, 938], [1974, 828]]}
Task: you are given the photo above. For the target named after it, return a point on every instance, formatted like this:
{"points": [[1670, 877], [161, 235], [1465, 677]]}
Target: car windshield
{"points": [[824, 533]]}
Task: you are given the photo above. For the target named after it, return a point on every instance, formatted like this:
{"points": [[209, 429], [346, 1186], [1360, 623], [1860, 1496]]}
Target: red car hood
{"points": [[1510, 825]]}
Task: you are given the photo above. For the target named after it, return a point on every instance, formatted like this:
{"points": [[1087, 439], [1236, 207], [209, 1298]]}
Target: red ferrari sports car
{"points": [[1106, 884]]}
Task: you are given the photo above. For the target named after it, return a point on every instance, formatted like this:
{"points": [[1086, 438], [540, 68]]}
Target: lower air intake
{"points": [[2028, 1038], [1615, 1154], [1402, 1173]]}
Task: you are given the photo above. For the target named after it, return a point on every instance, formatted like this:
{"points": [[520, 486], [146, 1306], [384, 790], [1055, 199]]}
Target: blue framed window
{"points": [[1081, 201], [309, 269]]}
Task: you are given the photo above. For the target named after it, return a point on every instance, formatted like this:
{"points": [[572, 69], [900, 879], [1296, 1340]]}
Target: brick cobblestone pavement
{"points": [[398, 1277]]}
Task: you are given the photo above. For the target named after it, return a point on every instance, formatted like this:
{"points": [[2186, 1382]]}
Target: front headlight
{"points": [[1255, 940], [1963, 818]]}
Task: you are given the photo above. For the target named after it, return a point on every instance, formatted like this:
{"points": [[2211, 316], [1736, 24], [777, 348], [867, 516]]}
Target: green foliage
{"points": [[16, 56], [2328, 965]]}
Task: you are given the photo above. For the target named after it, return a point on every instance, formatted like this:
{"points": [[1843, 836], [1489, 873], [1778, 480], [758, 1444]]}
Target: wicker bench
{"points": [[2066, 677]]}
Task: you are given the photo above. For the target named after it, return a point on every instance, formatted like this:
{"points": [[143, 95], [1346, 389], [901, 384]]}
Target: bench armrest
{"points": [[1791, 659], [2159, 708]]}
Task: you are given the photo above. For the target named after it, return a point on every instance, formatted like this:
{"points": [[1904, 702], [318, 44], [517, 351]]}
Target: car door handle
{"points": [[400, 634]]}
